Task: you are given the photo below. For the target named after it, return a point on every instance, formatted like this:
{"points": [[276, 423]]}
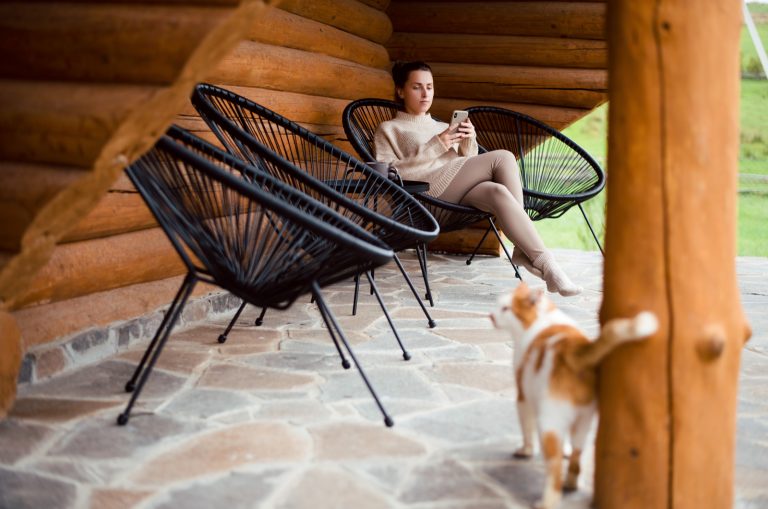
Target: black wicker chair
{"points": [[318, 168], [556, 173], [236, 226], [361, 118]]}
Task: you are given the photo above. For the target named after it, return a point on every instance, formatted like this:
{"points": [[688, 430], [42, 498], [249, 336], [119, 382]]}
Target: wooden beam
{"points": [[348, 15], [574, 88], [10, 361], [100, 42], [582, 20], [254, 64], [668, 405], [116, 212], [498, 50], [280, 28], [80, 268], [63, 123]]}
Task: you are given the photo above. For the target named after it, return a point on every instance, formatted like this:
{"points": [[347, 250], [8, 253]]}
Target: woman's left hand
{"points": [[467, 129]]}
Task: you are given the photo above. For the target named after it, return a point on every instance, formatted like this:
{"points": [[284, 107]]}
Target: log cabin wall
{"points": [[99, 258], [545, 59], [84, 92]]}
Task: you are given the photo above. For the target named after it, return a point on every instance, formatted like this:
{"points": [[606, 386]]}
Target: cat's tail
{"points": [[614, 333]]}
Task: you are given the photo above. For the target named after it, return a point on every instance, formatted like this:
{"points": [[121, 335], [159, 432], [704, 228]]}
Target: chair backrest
{"points": [[238, 227], [310, 163], [556, 173], [361, 118]]}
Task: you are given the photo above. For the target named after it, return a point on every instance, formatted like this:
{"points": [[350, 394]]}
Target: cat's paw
{"points": [[570, 485], [523, 453]]}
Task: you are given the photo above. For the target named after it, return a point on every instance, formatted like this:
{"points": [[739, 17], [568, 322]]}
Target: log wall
{"points": [[86, 87], [83, 93]]}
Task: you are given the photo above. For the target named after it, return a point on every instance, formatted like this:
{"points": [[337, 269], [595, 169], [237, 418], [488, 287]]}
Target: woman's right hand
{"points": [[451, 136]]}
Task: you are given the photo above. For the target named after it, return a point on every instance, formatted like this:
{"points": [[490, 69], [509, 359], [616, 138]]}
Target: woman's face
{"points": [[418, 92]]}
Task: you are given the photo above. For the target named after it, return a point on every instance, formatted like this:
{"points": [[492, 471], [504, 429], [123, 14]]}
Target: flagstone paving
{"points": [[271, 419]]}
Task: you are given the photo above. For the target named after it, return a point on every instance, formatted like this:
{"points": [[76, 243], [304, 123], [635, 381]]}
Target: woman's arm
{"points": [[390, 149]]}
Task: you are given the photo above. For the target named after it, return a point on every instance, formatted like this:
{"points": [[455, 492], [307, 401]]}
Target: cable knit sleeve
{"points": [[468, 147], [401, 150]]}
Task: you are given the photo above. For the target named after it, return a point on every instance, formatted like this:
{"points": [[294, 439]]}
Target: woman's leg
{"points": [[477, 185]]}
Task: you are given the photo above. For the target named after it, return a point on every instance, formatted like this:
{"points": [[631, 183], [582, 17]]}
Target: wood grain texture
{"points": [[100, 42], [668, 405], [582, 20], [573, 88], [499, 50], [349, 15], [280, 28], [254, 64]]}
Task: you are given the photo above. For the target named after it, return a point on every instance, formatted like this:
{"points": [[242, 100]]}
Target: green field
{"points": [[570, 231]]}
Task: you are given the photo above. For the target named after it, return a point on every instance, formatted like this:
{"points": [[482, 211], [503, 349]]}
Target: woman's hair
{"points": [[401, 71]]}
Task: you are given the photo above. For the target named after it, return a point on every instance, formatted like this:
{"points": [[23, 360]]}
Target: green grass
{"points": [[570, 231], [749, 60]]}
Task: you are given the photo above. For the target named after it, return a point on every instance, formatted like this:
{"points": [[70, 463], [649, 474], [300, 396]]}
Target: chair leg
{"points": [[156, 346], [223, 336], [421, 252], [260, 319], [406, 355], [501, 242], [131, 384], [323, 314], [357, 293], [331, 322], [594, 236], [430, 321], [477, 247]]}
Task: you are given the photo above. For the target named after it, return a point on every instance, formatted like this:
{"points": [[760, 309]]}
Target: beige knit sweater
{"points": [[410, 142]]}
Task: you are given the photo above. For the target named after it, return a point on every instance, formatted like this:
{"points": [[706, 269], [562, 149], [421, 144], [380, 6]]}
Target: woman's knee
{"points": [[498, 194], [506, 158]]}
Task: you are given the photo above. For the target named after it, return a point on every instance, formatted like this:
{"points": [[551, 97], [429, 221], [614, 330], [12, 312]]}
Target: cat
{"points": [[554, 364]]}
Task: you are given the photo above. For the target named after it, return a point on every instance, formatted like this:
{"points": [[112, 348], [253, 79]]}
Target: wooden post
{"points": [[668, 405]]}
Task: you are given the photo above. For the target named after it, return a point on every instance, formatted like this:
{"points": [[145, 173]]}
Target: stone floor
{"points": [[270, 419]]}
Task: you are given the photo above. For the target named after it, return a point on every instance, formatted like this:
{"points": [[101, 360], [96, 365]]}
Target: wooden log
{"points": [[253, 64], [668, 405], [348, 15], [575, 88], [280, 28], [100, 42], [303, 108], [24, 190], [10, 361], [63, 123], [80, 268], [377, 4], [582, 20], [48, 322], [117, 212], [499, 50], [557, 117], [464, 241]]}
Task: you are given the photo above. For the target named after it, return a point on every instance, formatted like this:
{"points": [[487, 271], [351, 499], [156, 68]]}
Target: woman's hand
{"points": [[455, 134]]}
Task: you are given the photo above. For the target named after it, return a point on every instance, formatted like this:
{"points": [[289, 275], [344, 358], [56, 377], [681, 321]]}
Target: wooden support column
{"points": [[668, 405]]}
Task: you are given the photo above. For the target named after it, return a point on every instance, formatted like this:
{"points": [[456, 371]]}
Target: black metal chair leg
{"points": [[594, 236], [430, 321], [178, 305], [501, 242], [406, 355], [323, 314], [223, 336], [357, 293], [477, 247], [131, 384], [260, 319], [332, 323], [421, 254]]}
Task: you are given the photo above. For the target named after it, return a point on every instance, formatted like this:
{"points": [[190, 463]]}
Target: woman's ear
{"points": [[399, 92]]}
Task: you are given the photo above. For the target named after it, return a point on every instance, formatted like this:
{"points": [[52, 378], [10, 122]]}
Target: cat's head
{"points": [[519, 310]]}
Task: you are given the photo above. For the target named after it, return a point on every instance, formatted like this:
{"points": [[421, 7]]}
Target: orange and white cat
{"points": [[554, 364]]}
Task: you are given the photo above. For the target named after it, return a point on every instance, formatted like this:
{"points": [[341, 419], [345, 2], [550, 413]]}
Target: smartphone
{"points": [[458, 117]]}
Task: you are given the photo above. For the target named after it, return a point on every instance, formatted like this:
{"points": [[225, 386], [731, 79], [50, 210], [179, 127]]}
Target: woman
{"points": [[424, 149]]}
